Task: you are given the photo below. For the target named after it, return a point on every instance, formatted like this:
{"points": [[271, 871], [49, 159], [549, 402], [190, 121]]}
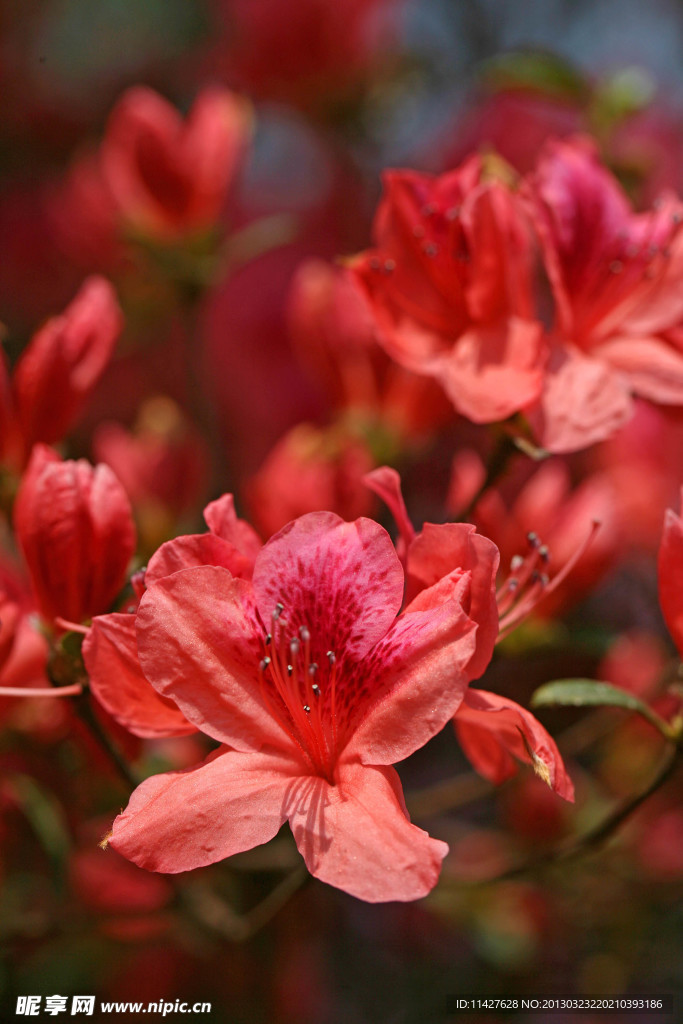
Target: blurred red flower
{"points": [[57, 372]]}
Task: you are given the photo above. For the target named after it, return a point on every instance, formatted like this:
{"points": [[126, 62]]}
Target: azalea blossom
{"points": [[450, 286], [167, 176], [315, 688], [615, 278], [670, 565], [57, 372], [75, 529], [545, 504]]}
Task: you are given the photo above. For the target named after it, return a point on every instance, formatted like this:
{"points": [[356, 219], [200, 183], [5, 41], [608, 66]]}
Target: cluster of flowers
{"points": [[320, 659]]}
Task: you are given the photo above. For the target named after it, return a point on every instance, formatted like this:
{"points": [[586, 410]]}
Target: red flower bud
{"points": [[59, 369], [74, 525], [170, 176]]}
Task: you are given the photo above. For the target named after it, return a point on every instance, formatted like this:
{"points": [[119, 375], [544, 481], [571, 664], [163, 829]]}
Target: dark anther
{"points": [[533, 539], [264, 664], [269, 638], [307, 709], [316, 689], [331, 656], [290, 669], [313, 668], [544, 553], [516, 562]]}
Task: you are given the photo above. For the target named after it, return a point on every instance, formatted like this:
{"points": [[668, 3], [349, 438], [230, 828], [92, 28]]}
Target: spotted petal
{"points": [[343, 581]]}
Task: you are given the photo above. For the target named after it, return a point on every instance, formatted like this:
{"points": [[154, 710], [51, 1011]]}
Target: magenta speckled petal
{"points": [[342, 581], [419, 674]]}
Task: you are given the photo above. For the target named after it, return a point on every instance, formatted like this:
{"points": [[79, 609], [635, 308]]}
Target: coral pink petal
{"points": [[221, 518], [183, 820], [584, 401], [494, 371], [436, 552], [491, 728], [199, 645], [356, 836], [110, 653], [670, 565], [651, 367], [343, 581], [193, 550], [386, 483], [421, 673]]}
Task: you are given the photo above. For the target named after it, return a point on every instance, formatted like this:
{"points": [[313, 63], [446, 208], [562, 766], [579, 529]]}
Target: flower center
{"points": [[302, 693]]}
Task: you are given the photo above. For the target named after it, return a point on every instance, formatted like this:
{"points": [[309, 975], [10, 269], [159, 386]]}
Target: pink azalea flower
{"points": [[315, 686], [75, 529], [450, 286], [615, 276], [57, 372], [170, 176], [670, 565]]}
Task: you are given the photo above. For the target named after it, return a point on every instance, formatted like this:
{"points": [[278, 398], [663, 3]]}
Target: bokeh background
{"points": [[340, 91]]}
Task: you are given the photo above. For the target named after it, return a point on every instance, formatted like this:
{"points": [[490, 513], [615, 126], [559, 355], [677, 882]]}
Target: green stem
{"points": [[597, 835], [498, 463], [87, 716]]}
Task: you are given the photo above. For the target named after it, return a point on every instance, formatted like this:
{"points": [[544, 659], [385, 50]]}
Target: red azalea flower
{"points": [[58, 371], [316, 688], [110, 649], [169, 176], [546, 505], [615, 276], [450, 287], [75, 528], [670, 566], [308, 470]]}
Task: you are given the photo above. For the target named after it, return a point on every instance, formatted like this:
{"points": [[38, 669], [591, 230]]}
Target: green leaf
{"points": [[592, 693], [44, 814]]}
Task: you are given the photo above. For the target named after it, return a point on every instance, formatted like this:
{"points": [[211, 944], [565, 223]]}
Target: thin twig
{"points": [[87, 716]]}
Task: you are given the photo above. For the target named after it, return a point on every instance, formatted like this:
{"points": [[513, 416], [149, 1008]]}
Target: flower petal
{"points": [[670, 566], [584, 401], [494, 370], [651, 367], [183, 820], [193, 550], [356, 835], [198, 642], [343, 581], [221, 518], [421, 671], [110, 652], [491, 728], [435, 552]]}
